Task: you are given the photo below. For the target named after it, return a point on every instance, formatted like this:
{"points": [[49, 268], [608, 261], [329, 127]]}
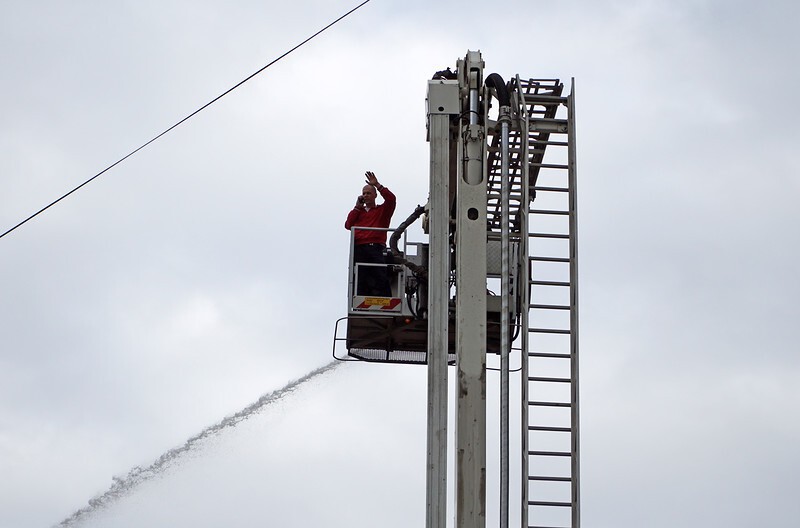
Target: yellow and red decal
{"points": [[387, 304]]}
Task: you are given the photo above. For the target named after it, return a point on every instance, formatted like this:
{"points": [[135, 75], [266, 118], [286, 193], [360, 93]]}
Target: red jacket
{"points": [[378, 216]]}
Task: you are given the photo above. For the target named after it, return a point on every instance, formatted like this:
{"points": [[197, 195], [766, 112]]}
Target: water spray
{"points": [[139, 475]]}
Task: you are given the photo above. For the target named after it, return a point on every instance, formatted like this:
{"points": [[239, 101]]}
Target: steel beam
{"points": [[442, 101], [471, 307]]}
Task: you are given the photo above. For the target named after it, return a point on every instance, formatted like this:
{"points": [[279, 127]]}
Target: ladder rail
{"points": [[515, 161], [526, 291], [573, 226]]}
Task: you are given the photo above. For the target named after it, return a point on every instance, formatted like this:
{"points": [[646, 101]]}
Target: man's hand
{"points": [[359, 203], [371, 179]]}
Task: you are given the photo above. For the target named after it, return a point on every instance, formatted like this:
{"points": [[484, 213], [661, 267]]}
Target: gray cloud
{"points": [[209, 269]]}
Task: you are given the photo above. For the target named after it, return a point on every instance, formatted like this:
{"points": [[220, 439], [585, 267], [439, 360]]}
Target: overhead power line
{"points": [[214, 100]]}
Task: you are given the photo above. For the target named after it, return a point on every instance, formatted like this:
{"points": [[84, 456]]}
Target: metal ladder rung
{"points": [[549, 259], [539, 136], [547, 98], [547, 128], [549, 380], [554, 120], [549, 503], [549, 404], [550, 165], [553, 98], [552, 355], [549, 479], [542, 526], [550, 453], [549, 428], [548, 235], [548, 331], [551, 189], [549, 306], [547, 283], [548, 212], [536, 142]]}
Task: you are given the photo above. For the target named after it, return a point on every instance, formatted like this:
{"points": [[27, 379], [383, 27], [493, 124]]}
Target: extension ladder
{"points": [[543, 221]]}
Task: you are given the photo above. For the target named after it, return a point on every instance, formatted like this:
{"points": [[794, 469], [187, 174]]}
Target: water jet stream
{"points": [[139, 475]]}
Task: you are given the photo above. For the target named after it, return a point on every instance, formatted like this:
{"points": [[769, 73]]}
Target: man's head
{"points": [[368, 193]]}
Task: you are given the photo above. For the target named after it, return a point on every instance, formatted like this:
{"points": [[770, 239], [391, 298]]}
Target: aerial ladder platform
{"points": [[502, 210]]}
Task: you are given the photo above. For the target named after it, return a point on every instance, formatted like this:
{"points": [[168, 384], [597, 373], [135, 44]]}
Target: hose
{"points": [[421, 272], [495, 81]]}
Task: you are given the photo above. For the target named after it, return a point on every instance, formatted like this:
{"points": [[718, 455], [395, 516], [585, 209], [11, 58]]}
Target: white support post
{"points": [[471, 308], [442, 101]]}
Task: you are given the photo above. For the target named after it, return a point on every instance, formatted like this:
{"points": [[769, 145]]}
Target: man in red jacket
{"points": [[370, 246]]}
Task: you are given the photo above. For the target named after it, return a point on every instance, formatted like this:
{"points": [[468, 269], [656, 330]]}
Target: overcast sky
{"points": [[209, 269]]}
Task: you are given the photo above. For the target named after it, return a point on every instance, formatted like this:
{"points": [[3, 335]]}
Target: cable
{"points": [[226, 92]]}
